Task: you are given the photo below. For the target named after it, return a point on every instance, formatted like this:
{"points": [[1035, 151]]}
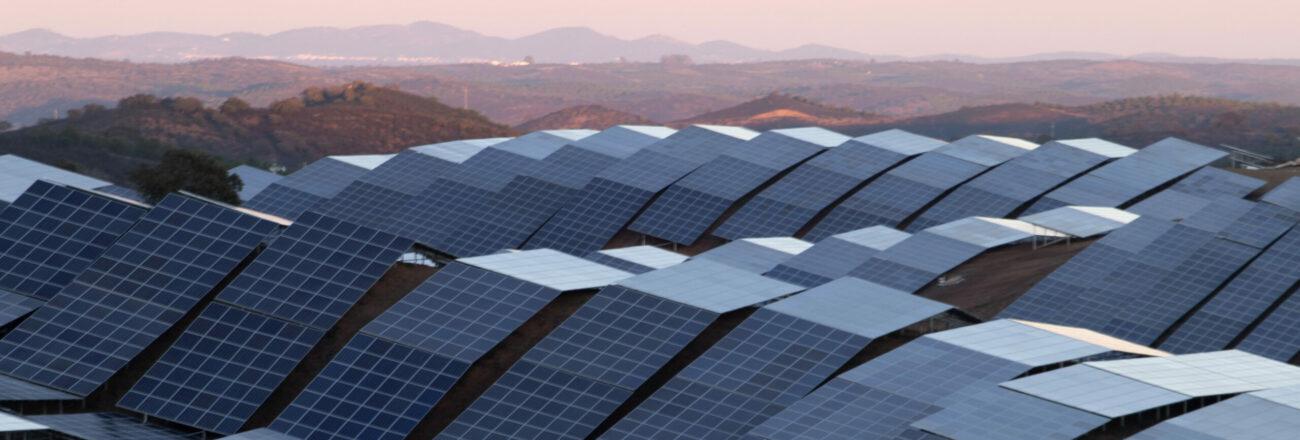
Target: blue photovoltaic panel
{"points": [[637, 259], [836, 256], [284, 201], [377, 196], [710, 286], [108, 426], [916, 261], [509, 216], [1210, 182], [373, 389], [261, 434], [18, 173], [1262, 415], [1118, 183], [757, 255], [790, 203], [567, 384], [1006, 188], [14, 306], [1249, 295], [121, 192], [1286, 195], [255, 180], [16, 390], [315, 270], [1170, 205], [221, 369], [307, 187], [141, 286], [901, 192], [53, 232], [1000, 414], [461, 312], [615, 196], [1278, 335], [692, 205]]}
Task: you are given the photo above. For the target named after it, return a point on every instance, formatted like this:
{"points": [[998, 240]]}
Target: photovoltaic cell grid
{"points": [[230, 360], [893, 197], [916, 261], [614, 197], [255, 180], [1278, 335], [439, 330], [999, 414], [108, 426], [790, 203], [1210, 182], [53, 232], [509, 216], [1248, 296], [578, 375], [283, 201], [1118, 183], [14, 306], [836, 256], [309, 186], [637, 259], [772, 359], [691, 206], [221, 369], [141, 286], [260, 434], [1262, 415], [18, 173], [377, 196], [756, 255], [1004, 189]]}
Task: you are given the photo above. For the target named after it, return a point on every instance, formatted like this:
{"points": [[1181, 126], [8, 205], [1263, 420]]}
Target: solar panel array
{"points": [[380, 194], [688, 209], [18, 173], [139, 288], [615, 196], [254, 179], [785, 207], [509, 216], [1006, 188], [108, 426], [243, 345], [1119, 183], [1262, 415], [757, 255], [771, 360], [391, 374], [573, 379], [883, 397], [903, 191], [53, 232], [836, 256], [919, 259], [312, 185], [637, 259]]}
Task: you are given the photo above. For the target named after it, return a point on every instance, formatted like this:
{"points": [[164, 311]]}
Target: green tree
{"points": [[191, 171], [234, 106]]}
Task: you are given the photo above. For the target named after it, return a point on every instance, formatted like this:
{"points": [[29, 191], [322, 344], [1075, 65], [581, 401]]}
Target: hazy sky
{"points": [[1236, 28]]}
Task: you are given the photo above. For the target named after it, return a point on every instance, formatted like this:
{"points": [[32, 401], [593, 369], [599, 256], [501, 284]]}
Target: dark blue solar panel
{"points": [[255, 180], [141, 286], [461, 312], [1278, 335], [52, 233], [1210, 182], [573, 379], [261, 434], [836, 256], [1009, 186], [14, 306], [315, 270], [16, 390], [284, 201], [1241, 302], [766, 363], [915, 262], [790, 203], [688, 208], [373, 389], [108, 426], [1002, 414], [894, 196], [1120, 182], [366, 204], [121, 191], [221, 369], [616, 195]]}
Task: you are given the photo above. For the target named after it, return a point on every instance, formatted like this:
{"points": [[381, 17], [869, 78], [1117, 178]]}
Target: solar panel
{"points": [[1170, 205], [790, 203], [52, 232], [15, 390], [458, 151], [283, 201], [255, 180], [14, 307], [1262, 415], [1210, 182], [10, 424], [836, 256], [377, 196], [756, 255], [582, 371], [616, 195], [225, 365], [1277, 336], [1120, 182], [1286, 195], [508, 217], [315, 270], [710, 286], [1082, 221], [637, 259], [260, 434], [107, 426], [1005, 188], [893, 197], [772, 359], [1248, 296], [691, 206], [313, 184], [997, 414], [915, 262], [141, 286], [18, 173], [549, 268], [1095, 390]]}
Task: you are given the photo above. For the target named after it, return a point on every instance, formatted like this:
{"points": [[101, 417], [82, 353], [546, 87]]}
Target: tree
{"points": [[234, 106], [191, 171], [5, 126], [287, 106], [141, 101], [185, 105], [676, 60]]}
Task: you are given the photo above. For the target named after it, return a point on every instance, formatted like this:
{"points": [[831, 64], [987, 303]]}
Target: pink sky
{"points": [[1237, 28]]}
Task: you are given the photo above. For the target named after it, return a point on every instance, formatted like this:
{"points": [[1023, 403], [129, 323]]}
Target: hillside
{"points": [[779, 110], [351, 119], [584, 116]]}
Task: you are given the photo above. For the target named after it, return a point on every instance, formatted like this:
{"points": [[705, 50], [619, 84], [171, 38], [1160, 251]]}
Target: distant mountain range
{"points": [[435, 43]]}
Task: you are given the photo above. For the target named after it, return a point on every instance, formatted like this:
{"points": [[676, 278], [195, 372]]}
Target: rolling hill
{"points": [[584, 116], [779, 110], [350, 119]]}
